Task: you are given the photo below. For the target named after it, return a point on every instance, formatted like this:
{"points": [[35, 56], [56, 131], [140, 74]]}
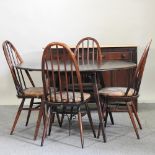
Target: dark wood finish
{"points": [[113, 77], [88, 51], [127, 97], [111, 65], [23, 91], [59, 69], [118, 77]]}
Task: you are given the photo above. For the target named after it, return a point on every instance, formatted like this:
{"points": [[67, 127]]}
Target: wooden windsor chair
{"points": [[58, 61], [112, 97], [21, 80]]}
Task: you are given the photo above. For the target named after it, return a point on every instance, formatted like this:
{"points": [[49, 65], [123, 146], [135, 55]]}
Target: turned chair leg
{"points": [[102, 124], [51, 121], [60, 120], [41, 112], [81, 128], [17, 115], [136, 115], [90, 119], [106, 117], [132, 119], [111, 118], [45, 129], [29, 112]]}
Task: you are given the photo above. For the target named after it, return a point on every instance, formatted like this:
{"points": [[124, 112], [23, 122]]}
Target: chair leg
{"points": [[103, 121], [59, 120], [104, 102], [90, 119], [29, 112], [106, 117], [69, 123], [103, 128], [136, 115], [108, 112], [52, 116], [81, 128], [41, 111], [111, 117], [17, 115], [62, 117], [132, 119], [45, 129], [99, 109], [43, 115]]}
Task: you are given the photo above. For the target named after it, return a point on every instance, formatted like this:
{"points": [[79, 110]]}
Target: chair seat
{"points": [[64, 97], [116, 91], [34, 92]]}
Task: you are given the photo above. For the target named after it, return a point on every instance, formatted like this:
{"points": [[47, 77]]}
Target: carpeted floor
{"points": [[121, 139]]}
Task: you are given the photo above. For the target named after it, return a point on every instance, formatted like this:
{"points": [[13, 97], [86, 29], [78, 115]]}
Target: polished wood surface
{"points": [[126, 95], [88, 51], [24, 84], [56, 86], [104, 66]]}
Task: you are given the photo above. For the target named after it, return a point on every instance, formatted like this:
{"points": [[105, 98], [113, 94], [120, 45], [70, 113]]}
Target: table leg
{"points": [[98, 104]]}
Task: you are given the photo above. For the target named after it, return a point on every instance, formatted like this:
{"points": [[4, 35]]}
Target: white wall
{"points": [[31, 24]]}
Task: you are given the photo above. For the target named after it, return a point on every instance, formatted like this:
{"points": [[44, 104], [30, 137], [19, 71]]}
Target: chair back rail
{"points": [[59, 69], [88, 51], [137, 78], [13, 59]]}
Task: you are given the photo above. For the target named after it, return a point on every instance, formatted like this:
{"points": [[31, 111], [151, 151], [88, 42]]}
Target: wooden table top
{"points": [[104, 66]]}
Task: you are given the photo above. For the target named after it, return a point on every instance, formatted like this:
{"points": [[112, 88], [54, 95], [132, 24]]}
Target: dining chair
{"points": [[88, 51], [113, 97], [23, 82], [59, 69]]}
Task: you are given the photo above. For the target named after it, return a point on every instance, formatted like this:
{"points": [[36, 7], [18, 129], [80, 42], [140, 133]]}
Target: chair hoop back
{"points": [[13, 58], [139, 71], [59, 69], [88, 51]]}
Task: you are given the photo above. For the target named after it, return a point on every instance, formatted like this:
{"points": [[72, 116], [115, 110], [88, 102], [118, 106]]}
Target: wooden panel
{"points": [[117, 56], [120, 53]]}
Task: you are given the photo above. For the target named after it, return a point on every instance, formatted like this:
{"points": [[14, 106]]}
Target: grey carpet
{"points": [[121, 138]]}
